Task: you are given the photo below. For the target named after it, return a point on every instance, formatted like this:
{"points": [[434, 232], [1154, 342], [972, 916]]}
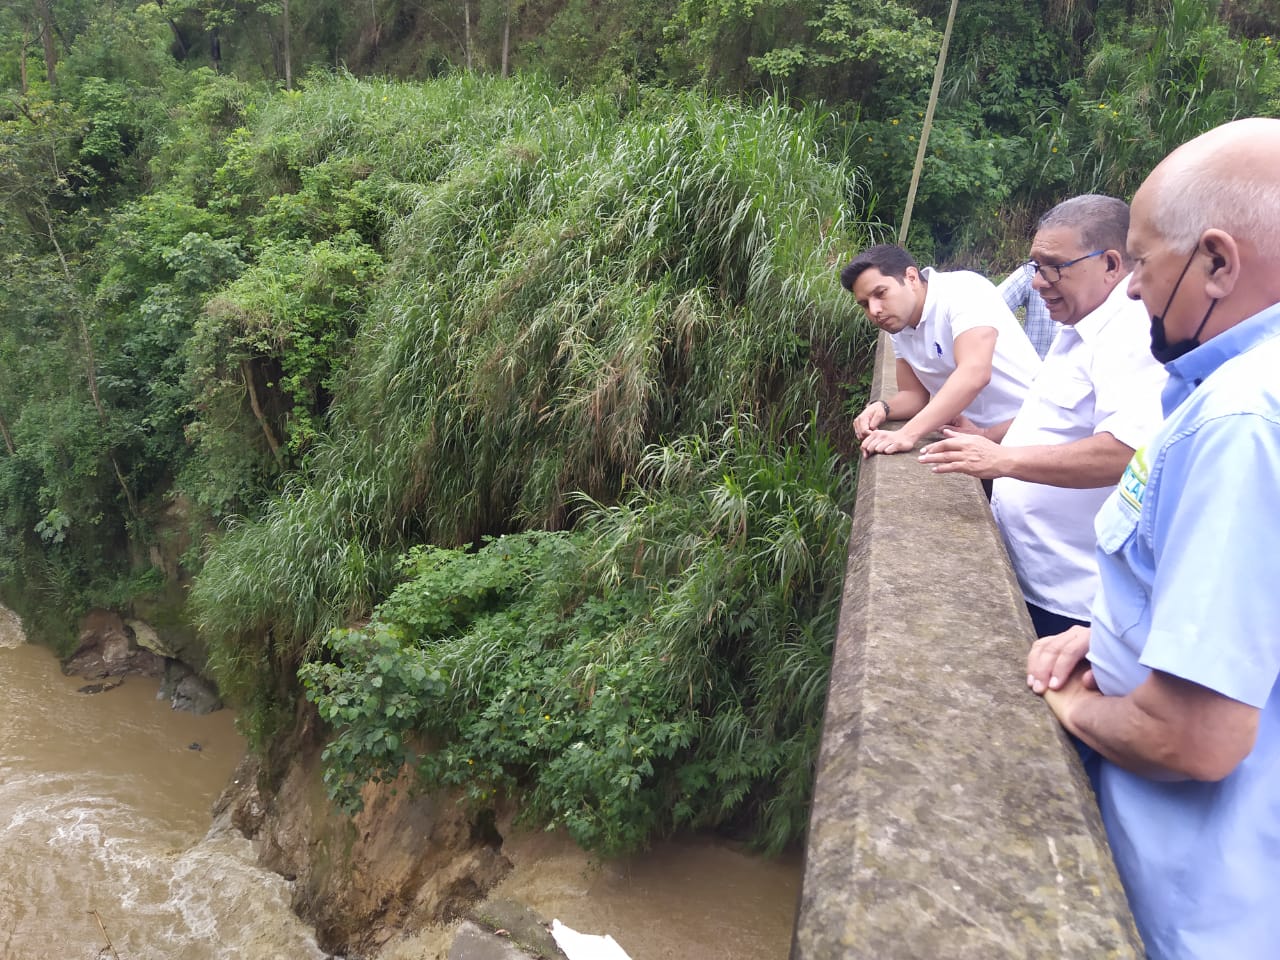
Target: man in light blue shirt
{"points": [[1179, 694], [1036, 322]]}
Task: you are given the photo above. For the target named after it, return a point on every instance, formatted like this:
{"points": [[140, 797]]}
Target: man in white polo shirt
{"points": [[959, 348], [1097, 399]]}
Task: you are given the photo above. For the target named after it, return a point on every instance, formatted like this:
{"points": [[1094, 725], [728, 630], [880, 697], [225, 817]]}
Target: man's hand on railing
{"points": [[1054, 658]]}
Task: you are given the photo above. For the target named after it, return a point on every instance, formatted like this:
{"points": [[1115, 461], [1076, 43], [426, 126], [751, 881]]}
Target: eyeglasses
{"points": [[1052, 272]]}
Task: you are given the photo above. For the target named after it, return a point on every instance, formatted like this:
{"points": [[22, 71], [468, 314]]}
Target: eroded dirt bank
{"points": [[405, 863], [393, 882]]}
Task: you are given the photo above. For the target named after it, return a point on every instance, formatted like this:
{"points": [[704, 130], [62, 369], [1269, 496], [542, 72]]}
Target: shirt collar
{"points": [[1091, 324], [1190, 370], [930, 302]]}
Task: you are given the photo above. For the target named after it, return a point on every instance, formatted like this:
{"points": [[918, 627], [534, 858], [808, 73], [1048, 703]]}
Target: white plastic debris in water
{"points": [[585, 946]]}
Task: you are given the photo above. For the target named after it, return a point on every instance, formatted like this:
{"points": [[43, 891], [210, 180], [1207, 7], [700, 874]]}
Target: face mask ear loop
{"points": [[1176, 284], [1195, 337], [1161, 349]]}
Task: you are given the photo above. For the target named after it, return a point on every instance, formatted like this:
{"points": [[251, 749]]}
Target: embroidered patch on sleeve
{"points": [[1133, 484]]}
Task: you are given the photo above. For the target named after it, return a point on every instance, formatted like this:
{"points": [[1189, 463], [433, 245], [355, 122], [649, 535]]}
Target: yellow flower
{"points": [[470, 762], [1102, 106], [546, 716], [871, 139], [885, 154], [895, 123], [1055, 150]]}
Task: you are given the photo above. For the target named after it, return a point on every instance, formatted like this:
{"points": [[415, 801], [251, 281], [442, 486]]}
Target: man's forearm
{"points": [[1166, 728], [905, 404], [1116, 729], [949, 402], [1096, 461]]}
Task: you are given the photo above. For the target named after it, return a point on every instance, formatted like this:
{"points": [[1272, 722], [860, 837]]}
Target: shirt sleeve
{"points": [[1015, 288], [976, 303], [1213, 533]]}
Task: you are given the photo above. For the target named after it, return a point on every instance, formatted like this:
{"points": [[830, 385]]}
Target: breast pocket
{"points": [[1123, 568], [1068, 394], [1065, 411]]}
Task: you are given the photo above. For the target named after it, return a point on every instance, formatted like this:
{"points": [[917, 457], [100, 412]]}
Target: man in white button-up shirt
{"points": [[1096, 400]]}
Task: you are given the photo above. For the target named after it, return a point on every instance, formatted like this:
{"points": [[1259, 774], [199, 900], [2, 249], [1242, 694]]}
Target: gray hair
{"points": [[1102, 222], [1199, 195]]}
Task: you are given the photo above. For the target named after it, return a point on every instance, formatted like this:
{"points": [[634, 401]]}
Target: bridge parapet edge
{"points": [[951, 817]]}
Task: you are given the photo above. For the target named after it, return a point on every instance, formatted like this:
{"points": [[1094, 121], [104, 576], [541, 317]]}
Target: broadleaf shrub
{"points": [[661, 666]]}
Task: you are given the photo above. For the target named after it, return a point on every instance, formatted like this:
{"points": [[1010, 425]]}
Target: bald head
{"points": [[1228, 178], [1202, 231]]}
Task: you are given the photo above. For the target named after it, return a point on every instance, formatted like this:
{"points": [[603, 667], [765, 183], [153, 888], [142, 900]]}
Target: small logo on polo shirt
{"points": [[937, 348], [1133, 485]]}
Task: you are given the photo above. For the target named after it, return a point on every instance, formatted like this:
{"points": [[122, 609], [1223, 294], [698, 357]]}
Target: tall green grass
{"points": [[569, 280], [1155, 83]]}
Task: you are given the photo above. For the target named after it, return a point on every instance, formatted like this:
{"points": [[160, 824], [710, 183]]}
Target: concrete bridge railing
{"points": [[951, 818]]}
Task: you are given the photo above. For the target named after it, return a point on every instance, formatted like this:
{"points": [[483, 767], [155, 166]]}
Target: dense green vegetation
{"points": [[660, 666], [511, 331], [568, 280]]}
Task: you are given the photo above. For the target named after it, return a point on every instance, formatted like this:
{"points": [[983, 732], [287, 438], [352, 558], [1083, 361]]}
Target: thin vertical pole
{"points": [[928, 124]]}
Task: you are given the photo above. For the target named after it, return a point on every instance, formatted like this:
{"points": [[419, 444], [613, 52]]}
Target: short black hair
{"points": [[889, 258]]}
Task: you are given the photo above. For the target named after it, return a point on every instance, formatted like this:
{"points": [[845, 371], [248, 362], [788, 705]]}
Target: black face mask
{"points": [[1161, 348]]}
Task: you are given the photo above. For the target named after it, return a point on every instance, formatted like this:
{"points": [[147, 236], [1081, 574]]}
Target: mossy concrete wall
{"points": [[951, 817]]}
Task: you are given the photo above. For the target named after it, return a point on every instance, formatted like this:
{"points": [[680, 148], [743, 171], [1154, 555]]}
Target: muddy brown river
{"points": [[104, 822], [104, 808]]}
